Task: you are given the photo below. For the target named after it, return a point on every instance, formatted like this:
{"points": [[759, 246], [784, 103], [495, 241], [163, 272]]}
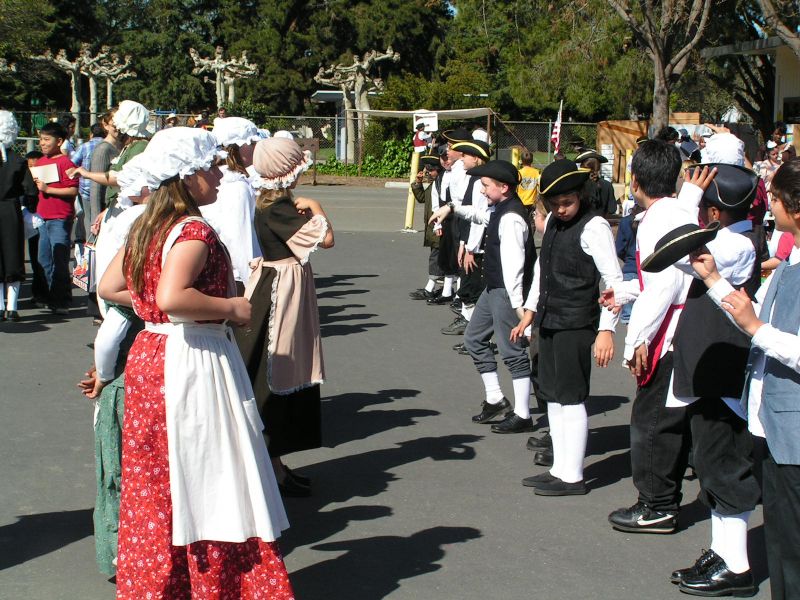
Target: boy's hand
{"points": [[74, 172], [40, 185], [604, 348], [460, 255], [439, 214], [91, 386], [639, 363], [525, 320], [740, 307], [608, 301], [705, 267], [469, 262], [702, 178], [420, 175]]}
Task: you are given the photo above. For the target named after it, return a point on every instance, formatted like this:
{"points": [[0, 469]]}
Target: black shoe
{"points": [[422, 294], [537, 480], [543, 457], [304, 481], [513, 423], [536, 444], [719, 580], [438, 300], [640, 518], [707, 559], [11, 315], [557, 487], [457, 327], [292, 489], [4, 316], [456, 305], [491, 411], [455, 309]]}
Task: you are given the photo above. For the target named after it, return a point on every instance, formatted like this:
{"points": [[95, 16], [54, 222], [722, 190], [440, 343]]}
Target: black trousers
{"points": [[782, 528], [472, 283], [565, 364], [722, 448], [660, 440]]}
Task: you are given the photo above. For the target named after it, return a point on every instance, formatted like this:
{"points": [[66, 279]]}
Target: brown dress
{"points": [[282, 346]]}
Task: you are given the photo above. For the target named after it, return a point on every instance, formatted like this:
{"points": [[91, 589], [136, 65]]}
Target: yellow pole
{"points": [[410, 201], [515, 153], [628, 155]]}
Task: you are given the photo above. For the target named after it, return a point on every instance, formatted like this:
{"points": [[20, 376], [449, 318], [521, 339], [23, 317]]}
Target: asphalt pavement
{"points": [[411, 500]]}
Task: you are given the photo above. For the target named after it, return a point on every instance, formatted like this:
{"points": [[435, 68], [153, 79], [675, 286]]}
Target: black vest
{"points": [[492, 265], [569, 282], [710, 354], [464, 224]]}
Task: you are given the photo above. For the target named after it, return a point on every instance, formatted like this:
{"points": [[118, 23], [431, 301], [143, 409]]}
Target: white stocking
{"points": [[576, 431], [2, 296], [555, 415], [431, 284], [522, 396], [447, 290], [13, 295], [734, 552], [494, 395]]}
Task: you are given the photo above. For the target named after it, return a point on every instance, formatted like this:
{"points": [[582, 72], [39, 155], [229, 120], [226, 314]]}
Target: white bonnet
{"points": [[724, 148], [8, 131], [236, 131], [132, 118], [177, 151], [283, 134]]}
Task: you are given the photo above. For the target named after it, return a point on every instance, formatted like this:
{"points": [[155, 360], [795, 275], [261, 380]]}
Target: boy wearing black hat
{"points": [[470, 236], [659, 436], [772, 387], [433, 169], [710, 360], [577, 250], [508, 262]]}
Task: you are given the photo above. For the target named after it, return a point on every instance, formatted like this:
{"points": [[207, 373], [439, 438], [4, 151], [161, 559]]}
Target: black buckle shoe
{"points": [[707, 558], [422, 294], [718, 580], [491, 411], [513, 423], [640, 518], [290, 488], [559, 487], [543, 457], [438, 300], [542, 443]]}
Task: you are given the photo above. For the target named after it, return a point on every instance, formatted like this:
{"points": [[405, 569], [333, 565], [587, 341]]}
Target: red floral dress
{"points": [[148, 565]]}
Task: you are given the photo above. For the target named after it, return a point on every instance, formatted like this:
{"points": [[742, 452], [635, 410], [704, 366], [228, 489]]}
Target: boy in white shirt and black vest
{"points": [[577, 250], [709, 362], [508, 265], [771, 395]]}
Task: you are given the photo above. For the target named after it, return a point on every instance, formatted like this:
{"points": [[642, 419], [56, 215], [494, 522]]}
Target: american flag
{"points": [[555, 138]]}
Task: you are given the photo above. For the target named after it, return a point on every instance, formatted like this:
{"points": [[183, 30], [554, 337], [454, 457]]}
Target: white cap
{"points": [[724, 148], [8, 132], [132, 118], [236, 131]]}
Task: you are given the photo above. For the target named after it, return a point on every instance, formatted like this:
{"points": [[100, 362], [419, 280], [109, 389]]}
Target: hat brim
{"points": [[568, 182], [683, 245], [490, 170], [587, 155], [472, 148], [430, 161], [450, 136]]}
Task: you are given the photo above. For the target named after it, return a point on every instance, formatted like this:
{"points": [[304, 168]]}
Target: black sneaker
{"points": [[707, 558], [640, 518], [422, 294], [513, 423], [535, 444], [718, 580], [536, 480], [491, 411], [558, 487], [457, 327]]}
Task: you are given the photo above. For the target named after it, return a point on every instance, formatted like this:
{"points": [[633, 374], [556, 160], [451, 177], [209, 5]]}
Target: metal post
{"points": [[410, 201], [550, 141]]}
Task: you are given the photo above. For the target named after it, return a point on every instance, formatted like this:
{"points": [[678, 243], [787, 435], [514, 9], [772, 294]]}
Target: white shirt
{"points": [[458, 182], [780, 345], [476, 230], [113, 235], [664, 289], [512, 231], [735, 256], [107, 342], [598, 242]]}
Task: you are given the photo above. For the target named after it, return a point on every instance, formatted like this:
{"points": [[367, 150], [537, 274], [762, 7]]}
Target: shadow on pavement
{"points": [[608, 439], [372, 568], [332, 280], [36, 535], [597, 405], [362, 475], [608, 471], [346, 420]]}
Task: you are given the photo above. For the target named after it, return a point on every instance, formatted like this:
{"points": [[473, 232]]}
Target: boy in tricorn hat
{"points": [[433, 169], [710, 359], [508, 264], [772, 387], [577, 250]]}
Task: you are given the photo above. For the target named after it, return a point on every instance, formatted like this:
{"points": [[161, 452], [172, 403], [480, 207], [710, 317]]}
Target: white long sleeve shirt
{"points": [[598, 242], [513, 231], [660, 290], [780, 345], [476, 230]]}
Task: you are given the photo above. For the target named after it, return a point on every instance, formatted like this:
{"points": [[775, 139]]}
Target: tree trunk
{"points": [[220, 89], [92, 100], [660, 116], [75, 107], [232, 92], [349, 123], [109, 93]]}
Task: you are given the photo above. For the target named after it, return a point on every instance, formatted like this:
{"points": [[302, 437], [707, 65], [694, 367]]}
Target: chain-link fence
{"points": [[535, 137]]}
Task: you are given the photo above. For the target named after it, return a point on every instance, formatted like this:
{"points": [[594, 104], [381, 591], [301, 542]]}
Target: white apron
{"points": [[221, 480]]}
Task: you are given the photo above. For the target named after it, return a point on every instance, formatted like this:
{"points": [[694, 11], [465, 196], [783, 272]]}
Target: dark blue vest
{"points": [[492, 265]]}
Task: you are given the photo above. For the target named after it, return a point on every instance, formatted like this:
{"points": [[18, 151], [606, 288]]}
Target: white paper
{"points": [[45, 173]]}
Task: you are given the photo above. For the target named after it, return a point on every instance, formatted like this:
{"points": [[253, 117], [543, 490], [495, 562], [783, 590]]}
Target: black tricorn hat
{"points": [[457, 135], [733, 188], [562, 176], [499, 170], [473, 148], [678, 243], [590, 153], [641, 140], [429, 160]]}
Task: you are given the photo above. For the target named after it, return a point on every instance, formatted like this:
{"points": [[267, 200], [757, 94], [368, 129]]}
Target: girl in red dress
{"points": [[200, 510]]}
